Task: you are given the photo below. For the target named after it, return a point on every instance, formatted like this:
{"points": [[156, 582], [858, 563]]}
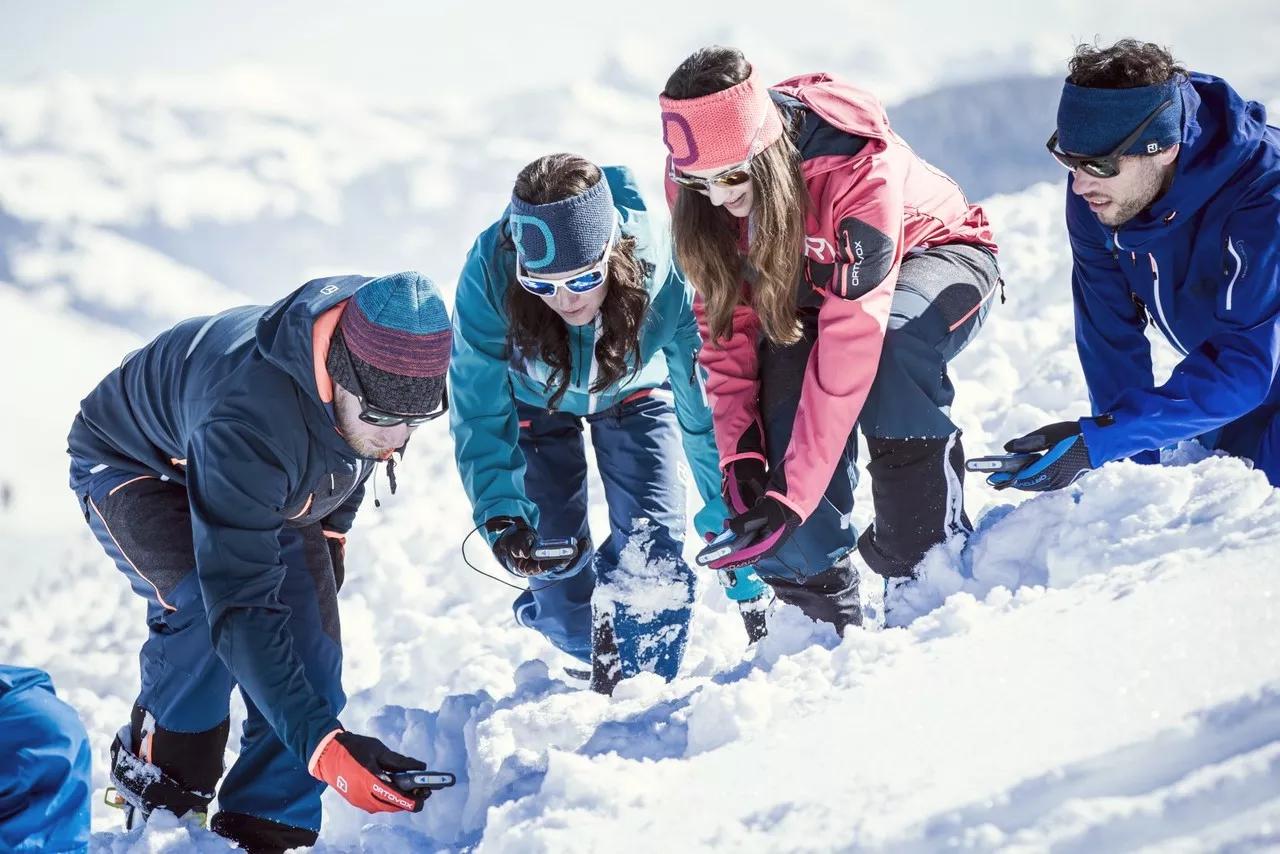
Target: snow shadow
{"points": [[1213, 767]]}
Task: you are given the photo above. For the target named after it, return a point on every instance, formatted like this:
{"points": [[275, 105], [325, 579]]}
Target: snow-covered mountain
{"points": [[1098, 671]]}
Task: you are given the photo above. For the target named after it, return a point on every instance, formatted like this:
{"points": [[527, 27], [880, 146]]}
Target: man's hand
{"points": [[1063, 458], [355, 765]]}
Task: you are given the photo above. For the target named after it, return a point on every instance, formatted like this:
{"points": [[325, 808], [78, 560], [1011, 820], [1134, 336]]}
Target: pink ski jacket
{"points": [[873, 202]]}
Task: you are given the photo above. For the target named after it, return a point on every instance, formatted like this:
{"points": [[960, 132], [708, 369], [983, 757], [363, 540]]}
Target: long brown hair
{"points": [[535, 330], [706, 236]]}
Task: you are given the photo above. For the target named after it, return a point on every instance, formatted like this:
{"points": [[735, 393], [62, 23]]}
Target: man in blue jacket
{"points": [[1173, 210], [44, 766], [220, 467]]}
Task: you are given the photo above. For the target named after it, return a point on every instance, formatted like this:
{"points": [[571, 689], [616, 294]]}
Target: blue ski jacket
{"points": [[230, 406], [485, 380], [1203, 265], [44, 775]]}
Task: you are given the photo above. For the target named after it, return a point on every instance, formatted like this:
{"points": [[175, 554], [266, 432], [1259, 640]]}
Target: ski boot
{"points": [[754, 599], [138, 787]]}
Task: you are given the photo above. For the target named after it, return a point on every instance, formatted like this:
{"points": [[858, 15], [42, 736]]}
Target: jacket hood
{"points": [[840, 104], [284, 333], [1221, 132]]}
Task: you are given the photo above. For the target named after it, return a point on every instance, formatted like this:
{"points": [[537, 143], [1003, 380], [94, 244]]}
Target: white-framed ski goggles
{"points": [[579, 283]]}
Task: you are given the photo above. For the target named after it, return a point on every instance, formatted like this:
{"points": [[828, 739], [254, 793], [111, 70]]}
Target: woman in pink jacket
{"points": [[837, 275]]}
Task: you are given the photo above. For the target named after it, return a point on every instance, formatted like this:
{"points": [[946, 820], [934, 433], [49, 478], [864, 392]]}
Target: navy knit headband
{"points": [[564, 235], [1092, 122]]}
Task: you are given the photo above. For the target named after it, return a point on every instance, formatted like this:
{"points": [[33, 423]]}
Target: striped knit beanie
{"points": [[396, 333]]}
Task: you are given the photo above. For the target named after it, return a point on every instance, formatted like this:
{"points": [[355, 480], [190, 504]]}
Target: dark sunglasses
{"points": [[1107, 166], [370, 414]]}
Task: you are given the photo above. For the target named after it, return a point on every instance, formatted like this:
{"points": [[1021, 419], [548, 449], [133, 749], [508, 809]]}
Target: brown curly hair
{"points": [[535, 330], [1127, 64]]}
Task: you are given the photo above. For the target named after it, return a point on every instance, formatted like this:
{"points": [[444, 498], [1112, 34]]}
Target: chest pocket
{"points": [[327, 495]]}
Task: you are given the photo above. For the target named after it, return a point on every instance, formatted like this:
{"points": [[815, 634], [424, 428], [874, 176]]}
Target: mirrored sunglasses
{"points": [[579, 283]]}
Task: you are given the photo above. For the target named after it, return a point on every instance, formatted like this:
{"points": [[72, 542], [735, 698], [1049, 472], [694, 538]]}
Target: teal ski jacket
{"points": [[485, 380]]}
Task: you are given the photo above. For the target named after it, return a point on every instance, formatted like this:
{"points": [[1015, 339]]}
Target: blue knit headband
{"points": [[564, 235], [1092, 122]]}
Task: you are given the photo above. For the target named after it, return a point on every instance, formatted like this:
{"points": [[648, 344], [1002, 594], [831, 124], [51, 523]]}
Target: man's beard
{"points": [[359, 435], [1144, 195], [364, 447]]}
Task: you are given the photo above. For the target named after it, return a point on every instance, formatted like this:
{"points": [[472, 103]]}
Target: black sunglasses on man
{"points": [[370, 414], [1108, 165]]}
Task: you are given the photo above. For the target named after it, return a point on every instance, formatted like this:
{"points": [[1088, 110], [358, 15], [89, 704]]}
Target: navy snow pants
{"points": [[916, 461], [44, 766], [181, 716], [636, 580]]}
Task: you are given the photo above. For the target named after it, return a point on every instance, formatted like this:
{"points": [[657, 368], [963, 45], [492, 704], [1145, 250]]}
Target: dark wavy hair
{"points": [[1127, 64], [535, 330]]}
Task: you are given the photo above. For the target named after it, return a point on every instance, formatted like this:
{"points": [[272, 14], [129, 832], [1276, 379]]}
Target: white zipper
{"points": [[595, 368], [1239, 264], [1168, 330]]}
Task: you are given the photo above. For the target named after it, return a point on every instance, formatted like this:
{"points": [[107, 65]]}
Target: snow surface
{"points": [[1097, 672]]}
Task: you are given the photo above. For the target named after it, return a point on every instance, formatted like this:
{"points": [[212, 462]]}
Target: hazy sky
{"points": [[402, 47]]}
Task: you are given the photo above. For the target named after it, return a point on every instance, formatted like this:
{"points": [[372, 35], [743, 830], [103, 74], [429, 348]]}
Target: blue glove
{"points": [[1063, 458]]}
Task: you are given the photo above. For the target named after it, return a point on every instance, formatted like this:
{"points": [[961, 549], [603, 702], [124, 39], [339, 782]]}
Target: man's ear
{"points": [[1169, 155]]}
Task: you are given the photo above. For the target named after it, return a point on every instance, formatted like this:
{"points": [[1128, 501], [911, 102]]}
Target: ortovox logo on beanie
{"points": [[397, 333]]}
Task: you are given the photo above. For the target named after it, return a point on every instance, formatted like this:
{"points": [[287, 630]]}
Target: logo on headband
{"points": [[680, 123], [518, 222]]}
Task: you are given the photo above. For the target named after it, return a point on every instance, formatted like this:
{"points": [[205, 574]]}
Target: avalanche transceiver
{"points": [[556, 549], [407, 781]]}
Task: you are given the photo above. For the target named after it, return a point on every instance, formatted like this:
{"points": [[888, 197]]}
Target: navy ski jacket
{"points": [[230, 407], [1203, 265]]}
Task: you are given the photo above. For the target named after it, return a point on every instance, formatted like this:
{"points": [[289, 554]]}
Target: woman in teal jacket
{"points": [[570, 310]]}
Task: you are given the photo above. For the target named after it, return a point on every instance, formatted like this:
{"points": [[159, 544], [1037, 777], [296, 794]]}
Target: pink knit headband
{"points": [[722, 129]]}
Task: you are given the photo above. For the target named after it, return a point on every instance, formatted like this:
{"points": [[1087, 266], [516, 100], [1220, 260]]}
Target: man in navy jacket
{"points": [[220, 467], [1173, 210]]}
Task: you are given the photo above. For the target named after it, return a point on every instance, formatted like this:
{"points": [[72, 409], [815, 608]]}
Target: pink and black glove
{"points": [[745, 479], [354, 765], [760, 532], [743, 484]]}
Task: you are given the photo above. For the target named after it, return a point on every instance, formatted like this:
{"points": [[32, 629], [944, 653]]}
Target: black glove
{"points": [[743, 484], [761, 531], [337, 556], [1063, 458], [514, 546]]}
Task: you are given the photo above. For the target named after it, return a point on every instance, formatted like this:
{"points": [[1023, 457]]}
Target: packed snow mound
{"points": [[1096, 671]]}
